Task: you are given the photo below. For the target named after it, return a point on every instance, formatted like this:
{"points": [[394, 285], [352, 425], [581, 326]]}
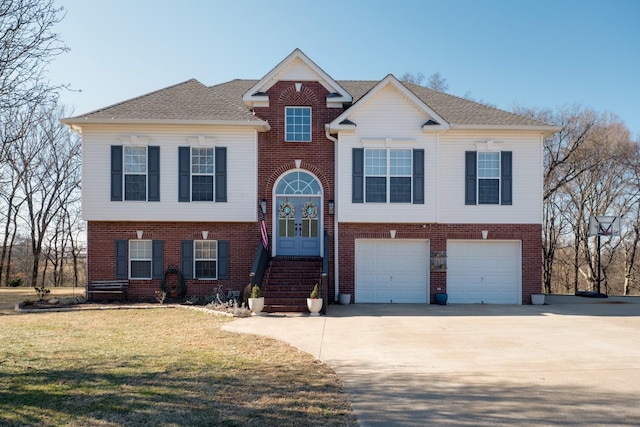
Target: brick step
{"points": [[286, 308], [286, 299], [288, 283], [292, 292]]}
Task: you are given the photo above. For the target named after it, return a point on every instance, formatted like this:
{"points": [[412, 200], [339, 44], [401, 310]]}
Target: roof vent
{"points": [[431, 122]]}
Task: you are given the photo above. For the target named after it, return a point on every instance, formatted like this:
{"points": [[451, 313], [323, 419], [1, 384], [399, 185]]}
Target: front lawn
{"points": [[158, 367]]}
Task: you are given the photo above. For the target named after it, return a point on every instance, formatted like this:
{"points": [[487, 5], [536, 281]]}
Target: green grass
{"points": [[164, 367]]}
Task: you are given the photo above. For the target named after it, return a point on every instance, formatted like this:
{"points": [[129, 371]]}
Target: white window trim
{"points": [[192, 174], [125, 173], [140, 259], [388, 175], [310, 123], [195, 260], [499, 177]]}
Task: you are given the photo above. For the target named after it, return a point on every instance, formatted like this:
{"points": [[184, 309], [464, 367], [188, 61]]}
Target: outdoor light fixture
{"points": [[332, 207], [263, 206]]}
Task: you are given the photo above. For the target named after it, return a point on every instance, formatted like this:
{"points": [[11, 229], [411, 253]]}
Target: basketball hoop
{"points": [[603, 225]]}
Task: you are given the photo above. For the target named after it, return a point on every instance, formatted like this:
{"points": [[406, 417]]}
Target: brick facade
{"points": [[438, 234], [243, 240]]}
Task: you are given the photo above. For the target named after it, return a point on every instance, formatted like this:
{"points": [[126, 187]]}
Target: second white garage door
{"points": [[484, 272], [391, 271]]}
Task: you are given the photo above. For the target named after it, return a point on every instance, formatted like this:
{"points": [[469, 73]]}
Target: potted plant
{"points": [[314, 302], [537, 299], [441, 298], [256, 302]]}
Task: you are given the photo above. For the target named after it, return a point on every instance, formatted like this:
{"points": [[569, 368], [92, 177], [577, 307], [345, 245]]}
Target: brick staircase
{"points": [[288, 282]]}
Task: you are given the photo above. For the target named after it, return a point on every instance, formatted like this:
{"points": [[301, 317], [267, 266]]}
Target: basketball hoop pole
{"points": [[598, 263]]}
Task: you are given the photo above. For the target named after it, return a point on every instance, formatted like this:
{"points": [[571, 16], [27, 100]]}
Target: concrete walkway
{"points": [[476, 365]]}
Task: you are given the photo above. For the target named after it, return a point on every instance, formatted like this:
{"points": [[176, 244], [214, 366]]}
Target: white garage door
{"points": [[392, 271], [484, 272]]}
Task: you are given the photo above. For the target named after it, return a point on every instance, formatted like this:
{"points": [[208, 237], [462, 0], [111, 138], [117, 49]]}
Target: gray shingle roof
{"points": [[191, 101]]}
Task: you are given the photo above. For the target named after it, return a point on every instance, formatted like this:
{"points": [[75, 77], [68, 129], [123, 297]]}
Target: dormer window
{"points": [[298, 124]]}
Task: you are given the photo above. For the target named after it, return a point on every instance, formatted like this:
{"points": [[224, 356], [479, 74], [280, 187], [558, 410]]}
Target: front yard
{"points": [[157, 367]]}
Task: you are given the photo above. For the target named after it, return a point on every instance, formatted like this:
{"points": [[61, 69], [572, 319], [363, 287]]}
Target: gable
{"points": [[296, 67], [387, 101]]}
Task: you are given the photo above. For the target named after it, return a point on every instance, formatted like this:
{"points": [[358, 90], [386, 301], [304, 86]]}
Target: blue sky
{"points": [[542, 53]]}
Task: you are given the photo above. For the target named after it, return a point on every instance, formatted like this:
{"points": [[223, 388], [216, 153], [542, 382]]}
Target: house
{"points": [[405, 191]]}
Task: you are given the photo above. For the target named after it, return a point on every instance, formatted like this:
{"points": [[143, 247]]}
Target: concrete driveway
{"points": [[476, 365]]}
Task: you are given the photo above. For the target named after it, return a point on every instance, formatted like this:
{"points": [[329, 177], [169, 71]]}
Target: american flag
{"points": [[263, 230]]}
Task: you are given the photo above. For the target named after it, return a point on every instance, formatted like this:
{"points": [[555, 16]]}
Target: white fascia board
{"points": [[260, 125], [546, 130]]}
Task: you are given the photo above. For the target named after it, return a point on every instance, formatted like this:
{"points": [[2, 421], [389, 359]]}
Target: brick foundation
{"points": [[529, 234], [243, 239]]}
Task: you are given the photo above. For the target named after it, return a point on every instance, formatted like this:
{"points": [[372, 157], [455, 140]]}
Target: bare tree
{"points": [[435, 81], [28, 45], [51, 180]]}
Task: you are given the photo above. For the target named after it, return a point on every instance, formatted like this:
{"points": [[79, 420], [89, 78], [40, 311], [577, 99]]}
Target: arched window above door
{"points": [[298, 183]]}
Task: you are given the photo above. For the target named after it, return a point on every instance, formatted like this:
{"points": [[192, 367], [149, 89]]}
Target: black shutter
{"points": [[357, 176], [187, 258], [506, 177], [121, 259], [153, 154], [470, 178], [184, 174], [221, 174], [418, 177], [223, 259], [157, 259], [116, 173]]}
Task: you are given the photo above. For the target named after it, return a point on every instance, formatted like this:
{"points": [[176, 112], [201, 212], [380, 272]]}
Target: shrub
{"points": [[255, 291], [15, 282], [315, 293]]}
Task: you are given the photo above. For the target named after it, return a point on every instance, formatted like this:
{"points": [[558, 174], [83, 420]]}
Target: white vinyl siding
{"points": [[526, 182], [241, 174], [388, 121]]}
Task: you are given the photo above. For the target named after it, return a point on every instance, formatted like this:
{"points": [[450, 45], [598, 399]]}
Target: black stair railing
{"points": [[260, 263]]}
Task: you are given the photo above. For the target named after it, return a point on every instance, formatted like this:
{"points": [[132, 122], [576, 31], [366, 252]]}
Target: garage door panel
{"points": [[391, 271], [483, 272]]}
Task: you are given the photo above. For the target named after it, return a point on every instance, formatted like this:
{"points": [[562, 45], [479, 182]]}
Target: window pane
{"points": [[488, 191], [400, 163], [135, 159], [202, 160], [400, 190], [375, 162], [206, 269], [140, 249], [298, 124], [376, 189], [202, 188], [206, 249], [488, 165], [140, 269], [135, 187]]}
